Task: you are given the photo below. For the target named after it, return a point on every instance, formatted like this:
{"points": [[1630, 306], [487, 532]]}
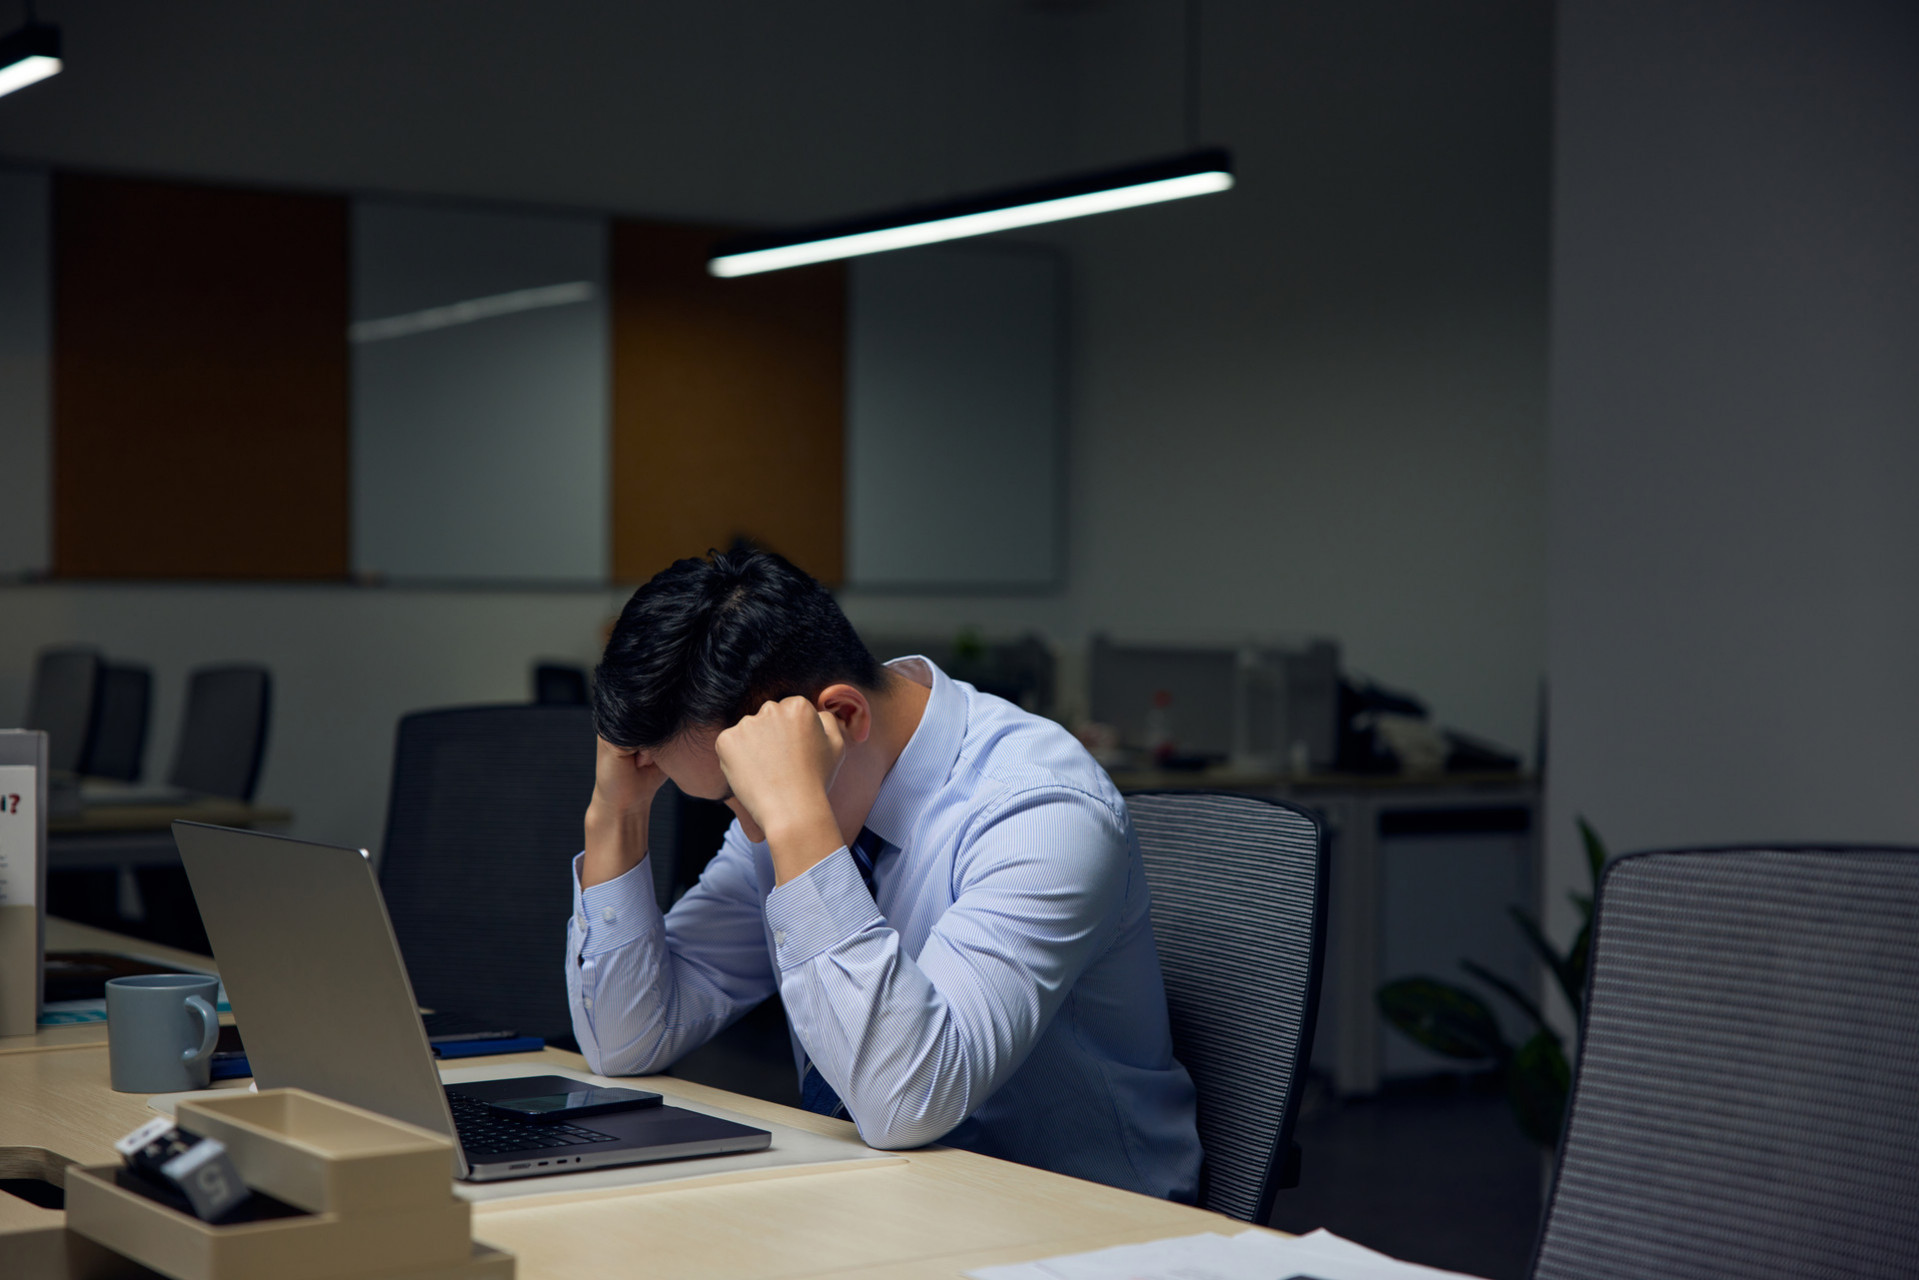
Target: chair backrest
{"points": [[223, 731], [120, 723], [482, 825], [65, 691], [559, 683], [1746, 1102], [1239, 898]]}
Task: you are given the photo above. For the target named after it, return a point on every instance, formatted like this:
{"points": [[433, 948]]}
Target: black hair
{"points": [[708, 641]]}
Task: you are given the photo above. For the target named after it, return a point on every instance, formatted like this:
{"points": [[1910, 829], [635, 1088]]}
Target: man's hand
{"points": [[623, 788], [780, 762]]}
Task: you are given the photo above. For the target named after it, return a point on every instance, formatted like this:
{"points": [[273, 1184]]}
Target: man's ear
{"points": [[847, 704]]}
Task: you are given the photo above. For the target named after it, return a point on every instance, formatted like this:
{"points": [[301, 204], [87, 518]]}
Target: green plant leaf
{"points": [[1525, 1002], [1446, 1019], [1538, 1082], [1570, 983], [1595, 850]]}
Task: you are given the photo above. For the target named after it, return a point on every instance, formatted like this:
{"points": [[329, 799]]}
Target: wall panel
{"points": [[199, 382], [25, 323], [728, 406]]}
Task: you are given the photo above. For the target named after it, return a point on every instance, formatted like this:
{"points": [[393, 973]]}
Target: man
{"points": [[945, 890]]}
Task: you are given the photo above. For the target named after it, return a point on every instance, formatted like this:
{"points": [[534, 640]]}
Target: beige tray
{"points": [[324, 1156], [55, 1253], [320, 1246]]}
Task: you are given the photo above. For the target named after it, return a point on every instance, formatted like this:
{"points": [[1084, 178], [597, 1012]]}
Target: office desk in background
{"points": [[122, 836], [934, 1212], [1361, 811]]}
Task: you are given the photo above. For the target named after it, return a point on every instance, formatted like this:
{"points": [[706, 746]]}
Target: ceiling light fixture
{"points": [[1196, 173], [28, 55], [1200, 173]]}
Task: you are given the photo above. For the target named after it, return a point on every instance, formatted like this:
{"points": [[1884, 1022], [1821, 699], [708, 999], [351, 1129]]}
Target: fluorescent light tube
{"points": [[1195, 175], [29, 55]]}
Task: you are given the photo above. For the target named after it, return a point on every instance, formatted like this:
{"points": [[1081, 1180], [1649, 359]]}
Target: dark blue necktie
{"points": [[815, 1093]]}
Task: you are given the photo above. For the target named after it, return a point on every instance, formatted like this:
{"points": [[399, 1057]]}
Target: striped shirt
{"points": [[1003, 994]]}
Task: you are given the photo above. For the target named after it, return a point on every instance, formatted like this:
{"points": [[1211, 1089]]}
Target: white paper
{"points": [[1252, 1255], [19, 836]]}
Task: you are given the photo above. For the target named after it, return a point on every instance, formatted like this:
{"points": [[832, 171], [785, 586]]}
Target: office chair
{"points": [[1239, 915], [559, 684], [483, 822], [119, 723], [223, 732], [65, 693], [1745, 1102]]}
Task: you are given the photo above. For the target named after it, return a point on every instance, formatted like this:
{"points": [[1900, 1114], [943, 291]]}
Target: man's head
{"points": [[708, 641]]}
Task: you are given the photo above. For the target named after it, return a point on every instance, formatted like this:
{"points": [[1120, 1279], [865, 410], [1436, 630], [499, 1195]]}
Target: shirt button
{"points": [[587, 1001], [606, 914], [779, 937]]}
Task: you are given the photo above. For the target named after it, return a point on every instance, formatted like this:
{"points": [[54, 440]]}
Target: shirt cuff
{"points": [[615, 912], [820, 908]]}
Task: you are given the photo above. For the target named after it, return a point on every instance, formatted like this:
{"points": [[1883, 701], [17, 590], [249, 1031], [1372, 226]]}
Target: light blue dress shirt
{"points": [[1003, 995]]}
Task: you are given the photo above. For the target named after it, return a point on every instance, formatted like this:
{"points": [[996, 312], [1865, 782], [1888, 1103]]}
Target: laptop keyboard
{"points": [[487, 1132]]}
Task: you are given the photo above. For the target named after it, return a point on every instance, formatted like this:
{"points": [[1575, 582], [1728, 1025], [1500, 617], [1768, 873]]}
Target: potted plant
{"points": [[1450, 1020]]}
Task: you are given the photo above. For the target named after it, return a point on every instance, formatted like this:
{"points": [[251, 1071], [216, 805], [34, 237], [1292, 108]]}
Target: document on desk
{"points": [[1251, 1255]]}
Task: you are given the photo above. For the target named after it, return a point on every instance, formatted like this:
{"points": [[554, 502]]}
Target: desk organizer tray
{"points": [[57, 1253], [307, 1246], [324, 1156]]}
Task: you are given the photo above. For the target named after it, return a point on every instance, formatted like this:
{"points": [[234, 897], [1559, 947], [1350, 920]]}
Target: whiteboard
{"points": [[480, 394]]}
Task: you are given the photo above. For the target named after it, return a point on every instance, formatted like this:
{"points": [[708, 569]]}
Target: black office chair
{"points": [[119, 741], [1746, 1104], [223, 732], [62, 701], [482, 826], [1239, 912], [559, 684]]}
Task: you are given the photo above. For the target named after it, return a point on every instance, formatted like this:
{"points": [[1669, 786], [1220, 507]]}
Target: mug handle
{"points": [[209, 1030]]}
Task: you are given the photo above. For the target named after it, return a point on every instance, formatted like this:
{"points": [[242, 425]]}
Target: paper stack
{"points": [[1251, 1255]]}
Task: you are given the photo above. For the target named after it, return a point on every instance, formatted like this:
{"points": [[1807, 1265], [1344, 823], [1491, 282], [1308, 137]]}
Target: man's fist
{"points": [[624, 783], [780, 762]]}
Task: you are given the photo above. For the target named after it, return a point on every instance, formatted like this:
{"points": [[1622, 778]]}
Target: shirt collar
{"points": [[926, 763]]}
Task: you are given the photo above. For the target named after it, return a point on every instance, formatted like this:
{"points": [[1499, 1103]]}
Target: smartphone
{"points": [[584, 1100]]}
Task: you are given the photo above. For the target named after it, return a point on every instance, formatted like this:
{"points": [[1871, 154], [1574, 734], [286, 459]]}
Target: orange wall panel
{"points": [[728, 406], [200, 383]]}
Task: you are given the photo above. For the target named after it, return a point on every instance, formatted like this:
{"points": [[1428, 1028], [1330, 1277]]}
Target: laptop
{"points": [[318, 986]]}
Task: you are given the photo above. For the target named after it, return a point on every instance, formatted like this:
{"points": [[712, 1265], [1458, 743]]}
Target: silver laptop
{"points": [[322, 1000]]}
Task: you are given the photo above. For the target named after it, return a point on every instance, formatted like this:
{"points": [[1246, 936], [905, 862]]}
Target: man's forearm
{"points": [[615, 844]]}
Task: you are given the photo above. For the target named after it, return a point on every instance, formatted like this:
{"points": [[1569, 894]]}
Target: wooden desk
{"points": [[65, 935], [935, 1213]]}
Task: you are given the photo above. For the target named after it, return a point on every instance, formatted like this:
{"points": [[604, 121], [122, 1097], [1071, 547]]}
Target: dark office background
{"points": [[1543, 346]]}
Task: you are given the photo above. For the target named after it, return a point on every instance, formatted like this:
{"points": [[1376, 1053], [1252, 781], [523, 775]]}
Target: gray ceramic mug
{"points": [[161, 1028]]}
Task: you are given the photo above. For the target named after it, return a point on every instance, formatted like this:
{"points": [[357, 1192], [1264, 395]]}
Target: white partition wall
{"points": [[1735, 427], [953, 440], [25, 350], [480, 393]]}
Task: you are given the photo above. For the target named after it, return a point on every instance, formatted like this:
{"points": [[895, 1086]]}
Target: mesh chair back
{"points": [[1239, 892], [1747, 1103], [65, 692], [481, 830], [120, 723], [223, 733]]}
